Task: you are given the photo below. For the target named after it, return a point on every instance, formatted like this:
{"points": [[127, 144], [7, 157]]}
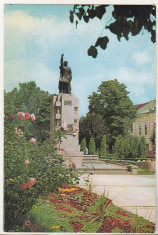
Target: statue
{"points": [[65, 77]]}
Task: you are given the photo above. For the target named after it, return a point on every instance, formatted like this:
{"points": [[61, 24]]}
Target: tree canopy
{"points": [[30, 98], [112, 103], [92, 125], [125, 21]]}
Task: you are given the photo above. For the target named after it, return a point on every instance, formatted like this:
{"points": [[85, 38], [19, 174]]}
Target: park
{"points": [[65, 172]]}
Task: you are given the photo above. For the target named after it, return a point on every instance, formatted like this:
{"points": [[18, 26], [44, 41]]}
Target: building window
{"points": [[75, 120], [140, 132], [146, 130], [75, 108]]}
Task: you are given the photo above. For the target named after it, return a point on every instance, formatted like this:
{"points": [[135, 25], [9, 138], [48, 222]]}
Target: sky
{"points": [[35, 36]]}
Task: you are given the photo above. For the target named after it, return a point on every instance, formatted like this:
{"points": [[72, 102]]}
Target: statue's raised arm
{"points": [[61, 61]]}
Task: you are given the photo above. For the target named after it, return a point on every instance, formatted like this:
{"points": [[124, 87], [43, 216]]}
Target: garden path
{"points": [[135, 193]]}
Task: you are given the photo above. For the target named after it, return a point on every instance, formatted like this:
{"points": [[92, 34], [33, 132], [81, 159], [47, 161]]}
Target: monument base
{"points": [[64, 108]]}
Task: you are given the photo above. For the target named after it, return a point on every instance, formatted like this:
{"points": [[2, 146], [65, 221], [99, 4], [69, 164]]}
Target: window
{"points": [[146, 130], [75, 108], [75, 120], [140, 132]]}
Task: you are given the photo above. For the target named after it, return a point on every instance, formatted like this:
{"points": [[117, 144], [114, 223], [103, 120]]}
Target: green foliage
{"points": [[43, 164], [29, 98], [92, 149], [83, 145], [92, 125], [145, 171], [142, 147], [126, 147], [125, 21], [153, 137], [113, 104], [48, 218], [134, 148], [102, 151]]}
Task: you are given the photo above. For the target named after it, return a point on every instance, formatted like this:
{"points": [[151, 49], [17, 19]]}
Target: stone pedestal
{"points": [[65, 107]]}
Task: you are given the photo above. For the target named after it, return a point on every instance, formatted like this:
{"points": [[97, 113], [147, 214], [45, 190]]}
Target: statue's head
{"points": [[65, 63]]}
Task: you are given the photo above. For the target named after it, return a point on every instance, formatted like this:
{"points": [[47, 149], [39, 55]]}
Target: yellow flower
{"points": [[55, 227]]}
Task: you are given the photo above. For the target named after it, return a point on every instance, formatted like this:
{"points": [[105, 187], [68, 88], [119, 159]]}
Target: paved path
{"points": [[135, 193]]}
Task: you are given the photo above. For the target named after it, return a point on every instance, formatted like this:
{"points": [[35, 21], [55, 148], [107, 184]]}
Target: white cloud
{"points": [[141, 58]]}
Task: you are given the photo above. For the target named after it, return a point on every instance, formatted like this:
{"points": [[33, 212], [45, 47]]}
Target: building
{"points": [[145, 123]]}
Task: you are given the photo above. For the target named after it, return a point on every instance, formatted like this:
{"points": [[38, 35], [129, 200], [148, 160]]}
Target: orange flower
{"points": [[23, 186], [33, 140], [31, 182], [26, 162]]}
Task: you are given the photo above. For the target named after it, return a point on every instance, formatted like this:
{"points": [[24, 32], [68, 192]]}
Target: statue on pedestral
{"points": [[65, 77]]}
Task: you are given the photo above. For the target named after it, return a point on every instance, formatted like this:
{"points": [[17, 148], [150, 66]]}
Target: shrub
{"points": [[102, 151], [30, 170], [92, 148], [83, 145], [126, 147], [142, 147]]}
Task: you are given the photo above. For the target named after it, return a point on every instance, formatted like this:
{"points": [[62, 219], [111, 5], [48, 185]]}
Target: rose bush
{"points": [[31, 171]]}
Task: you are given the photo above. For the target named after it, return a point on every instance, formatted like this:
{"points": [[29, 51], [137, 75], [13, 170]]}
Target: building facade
{"points": [[145, 123]]}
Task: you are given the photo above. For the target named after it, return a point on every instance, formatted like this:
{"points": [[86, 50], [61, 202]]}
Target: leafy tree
{"points": [[92, 125], [111, 101], [102, 151], [142, 147], [134, 146], [153, 137], [29, 98], [92, 148], [125, 21], [83, 145]]}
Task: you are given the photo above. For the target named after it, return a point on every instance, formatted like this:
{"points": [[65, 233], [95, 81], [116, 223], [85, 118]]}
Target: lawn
{"points": [[74, 209]]}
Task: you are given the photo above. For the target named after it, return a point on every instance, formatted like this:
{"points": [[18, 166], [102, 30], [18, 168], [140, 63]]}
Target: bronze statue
{"points": [[65, 77]]}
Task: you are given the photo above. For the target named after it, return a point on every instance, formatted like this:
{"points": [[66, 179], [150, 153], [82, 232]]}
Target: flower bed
{"points": [[74, 209]]}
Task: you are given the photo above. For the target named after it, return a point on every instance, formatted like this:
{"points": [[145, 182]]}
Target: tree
{"points": [[125, 21], [142, 147], [102, 151], [83, 145], [29, 98], [134, 146], [111, 101], [92, 149], [92, 125]]}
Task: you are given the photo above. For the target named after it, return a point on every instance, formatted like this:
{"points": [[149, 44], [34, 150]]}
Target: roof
{"points": [[138, 106]]}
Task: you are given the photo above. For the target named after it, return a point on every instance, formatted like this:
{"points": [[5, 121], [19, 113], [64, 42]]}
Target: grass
{"points": [[84, 212], [144, 171]]}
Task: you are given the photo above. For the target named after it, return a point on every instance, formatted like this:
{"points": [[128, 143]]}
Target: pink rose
{"points": [[33, 140], [26, 162], [33, 118], [73, 165], [21, 115], [12, 117], [32, 229], [64, 126], [74, 134], [27, 116], [31, 182], [61, 148], [27, 223]]}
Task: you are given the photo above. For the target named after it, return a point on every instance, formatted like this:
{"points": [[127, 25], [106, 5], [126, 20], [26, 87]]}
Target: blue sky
{"points": [[37, 35]]}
